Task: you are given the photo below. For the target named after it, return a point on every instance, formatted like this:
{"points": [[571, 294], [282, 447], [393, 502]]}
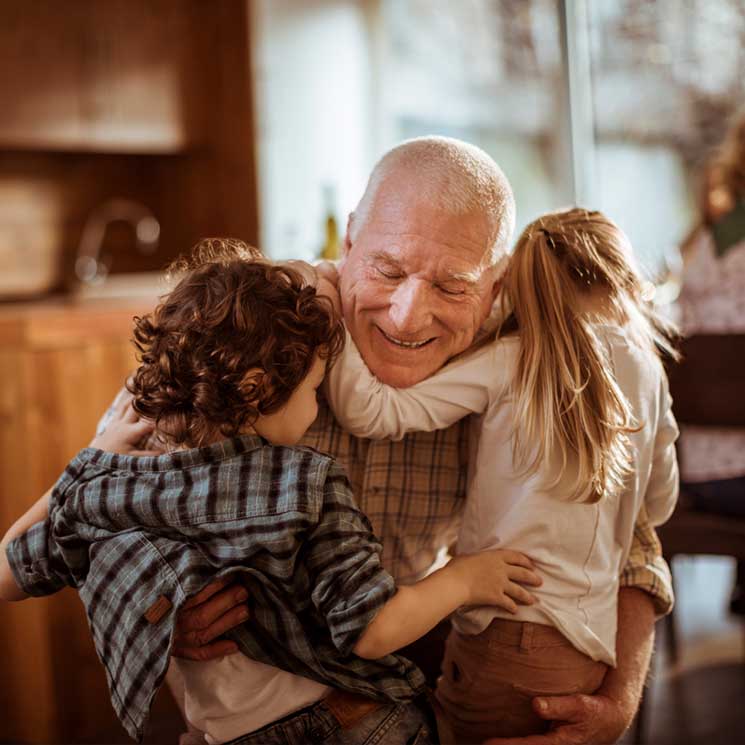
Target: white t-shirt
{"points": [[235, 695], [578, 549]]}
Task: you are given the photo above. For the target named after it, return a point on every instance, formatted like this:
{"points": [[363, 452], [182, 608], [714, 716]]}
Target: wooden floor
{"points": [[701, 699]]}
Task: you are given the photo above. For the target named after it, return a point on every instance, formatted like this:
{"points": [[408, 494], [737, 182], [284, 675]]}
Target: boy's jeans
{"points": [[391, 724]]}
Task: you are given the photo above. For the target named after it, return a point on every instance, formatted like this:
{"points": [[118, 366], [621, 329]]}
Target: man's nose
{"points": [[411, 306]]}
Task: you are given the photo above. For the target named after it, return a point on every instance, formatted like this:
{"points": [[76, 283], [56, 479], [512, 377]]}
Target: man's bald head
{"points": [[447, 175]]}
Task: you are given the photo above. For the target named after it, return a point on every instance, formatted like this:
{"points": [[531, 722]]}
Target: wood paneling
{"points": [[91, 75], [164, 93], [61, 365]]}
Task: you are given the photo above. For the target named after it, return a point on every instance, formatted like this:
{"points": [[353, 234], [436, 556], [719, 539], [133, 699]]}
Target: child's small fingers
{"points": [[131, 416], [122, 402], [524, 576], [517, 558], [328, 271], [141, 428], [519, 594], [507, 603], [306, 270]]}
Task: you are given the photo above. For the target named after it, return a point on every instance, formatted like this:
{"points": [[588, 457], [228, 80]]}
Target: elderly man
{"points": [[422, 258]]}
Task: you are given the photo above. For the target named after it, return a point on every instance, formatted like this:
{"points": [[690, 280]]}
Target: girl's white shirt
{"points": [[579, 549]]}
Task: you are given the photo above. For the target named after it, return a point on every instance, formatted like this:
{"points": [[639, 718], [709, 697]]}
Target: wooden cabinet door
{"points": [[115, 76], [59, 374]]}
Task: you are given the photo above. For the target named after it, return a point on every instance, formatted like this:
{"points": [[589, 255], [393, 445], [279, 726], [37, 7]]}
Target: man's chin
{"points": [[402, 376]]}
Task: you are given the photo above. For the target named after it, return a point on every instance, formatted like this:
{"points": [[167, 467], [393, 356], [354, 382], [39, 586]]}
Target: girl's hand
{"points": [[328, 271], [122, 431], [322, 276], [497, 577], [304, 269]]}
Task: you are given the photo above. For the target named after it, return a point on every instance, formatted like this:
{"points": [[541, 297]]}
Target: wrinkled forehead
{"points": [[414, 229]]}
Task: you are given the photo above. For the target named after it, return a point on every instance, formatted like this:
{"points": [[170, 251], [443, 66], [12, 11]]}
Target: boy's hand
{"points": [[497, 577], [219, 607], [123, 431]]}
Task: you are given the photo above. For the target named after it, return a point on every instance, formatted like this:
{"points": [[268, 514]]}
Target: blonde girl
{"points": [[575, 439]]}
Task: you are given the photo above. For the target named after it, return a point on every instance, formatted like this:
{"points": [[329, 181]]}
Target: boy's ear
{"points": [[252, 384]]}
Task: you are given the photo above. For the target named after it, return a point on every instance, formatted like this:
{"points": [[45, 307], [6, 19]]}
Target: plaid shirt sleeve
{"points": [[39, 565], [349, 583], [646, 569]]}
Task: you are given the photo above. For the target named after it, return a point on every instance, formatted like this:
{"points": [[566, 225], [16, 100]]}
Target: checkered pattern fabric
{"points": [[138, 536]]}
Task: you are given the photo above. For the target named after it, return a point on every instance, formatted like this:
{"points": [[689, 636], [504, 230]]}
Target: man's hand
{"points": [[577, 720], [602, 718], [218, 608], [123, 431]]}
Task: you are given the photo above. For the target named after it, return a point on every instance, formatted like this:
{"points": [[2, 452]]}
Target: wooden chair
{"points": [[708, 390]]}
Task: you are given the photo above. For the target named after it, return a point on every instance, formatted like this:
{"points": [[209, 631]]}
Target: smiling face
{"points": [[415, 285]]}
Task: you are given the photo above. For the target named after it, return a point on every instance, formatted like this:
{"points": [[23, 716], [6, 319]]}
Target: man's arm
{"points": [[601, 719], [646, 593]]}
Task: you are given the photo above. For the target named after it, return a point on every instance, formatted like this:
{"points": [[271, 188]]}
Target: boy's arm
{"points": [[487, 578], [365, 407], [9, 590], [364, 611]]}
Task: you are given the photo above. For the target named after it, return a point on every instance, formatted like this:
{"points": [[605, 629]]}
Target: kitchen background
{"points": [[131, 128]]}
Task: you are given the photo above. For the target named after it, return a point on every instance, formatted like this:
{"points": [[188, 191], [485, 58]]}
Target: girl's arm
{"points": [[487, 578], [9, 590], [365, 407]]}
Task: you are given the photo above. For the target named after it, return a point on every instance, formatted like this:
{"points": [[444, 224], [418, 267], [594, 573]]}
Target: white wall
{"points": [[313, 101]]}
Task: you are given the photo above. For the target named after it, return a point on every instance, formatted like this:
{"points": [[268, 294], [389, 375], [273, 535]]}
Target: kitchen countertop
{"points": [[60, 319]]}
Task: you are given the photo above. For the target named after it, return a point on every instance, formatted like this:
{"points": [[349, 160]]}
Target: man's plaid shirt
{"points": [[413, 492], [138, 536]]}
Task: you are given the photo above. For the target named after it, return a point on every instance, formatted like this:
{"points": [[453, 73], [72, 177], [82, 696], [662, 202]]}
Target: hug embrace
{"points": [[322, 437]]}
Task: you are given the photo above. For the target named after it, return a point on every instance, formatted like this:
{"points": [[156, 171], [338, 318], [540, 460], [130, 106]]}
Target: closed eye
{"points": [[451, 290], [389, 273]]}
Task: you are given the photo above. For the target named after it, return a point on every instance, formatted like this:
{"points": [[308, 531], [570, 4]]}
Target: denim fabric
{"points": [[392, 724]]}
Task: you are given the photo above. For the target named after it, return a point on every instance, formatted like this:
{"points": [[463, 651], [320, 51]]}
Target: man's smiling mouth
{"points": [[406, 344]]}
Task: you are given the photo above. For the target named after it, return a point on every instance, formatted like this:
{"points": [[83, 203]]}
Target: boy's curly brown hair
{"points": [[229, 343]]}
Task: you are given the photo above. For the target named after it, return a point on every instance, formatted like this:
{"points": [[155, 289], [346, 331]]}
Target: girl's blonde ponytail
{"points": [[567, 402]]}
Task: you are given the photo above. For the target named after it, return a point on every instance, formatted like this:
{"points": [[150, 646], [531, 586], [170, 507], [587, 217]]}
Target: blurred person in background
{"points": [[712, 301]]}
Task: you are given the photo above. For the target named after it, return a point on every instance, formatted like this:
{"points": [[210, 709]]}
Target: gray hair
{"points": [[452, 176]]}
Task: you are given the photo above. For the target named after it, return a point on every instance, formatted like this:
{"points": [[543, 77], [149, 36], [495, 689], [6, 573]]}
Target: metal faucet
{"points": [[90, 266]]}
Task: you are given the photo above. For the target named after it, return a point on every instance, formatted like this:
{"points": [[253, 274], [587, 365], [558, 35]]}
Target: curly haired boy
{"points": [[230, 362]]}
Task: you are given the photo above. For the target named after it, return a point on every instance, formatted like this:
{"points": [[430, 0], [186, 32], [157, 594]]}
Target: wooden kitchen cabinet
{"points": [[60, 366], [114, 76]]}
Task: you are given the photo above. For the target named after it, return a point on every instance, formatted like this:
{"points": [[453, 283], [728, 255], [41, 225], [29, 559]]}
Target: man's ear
{"points": [[347, 244]]}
